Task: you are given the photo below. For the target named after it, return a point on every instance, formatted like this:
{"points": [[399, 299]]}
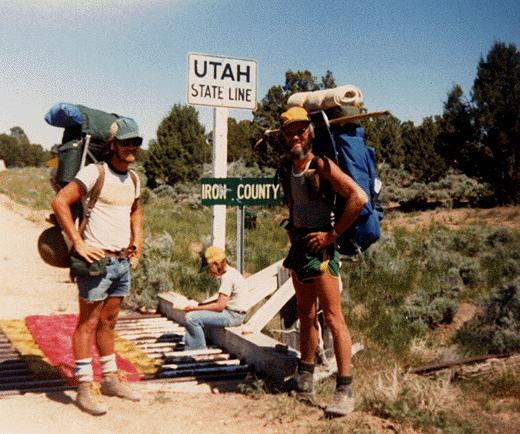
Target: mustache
{"points": [[299, 153]]}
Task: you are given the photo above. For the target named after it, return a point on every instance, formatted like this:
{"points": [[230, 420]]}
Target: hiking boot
{"points": [[342, 403], [304, 386], [116, 384], [89, 399]]}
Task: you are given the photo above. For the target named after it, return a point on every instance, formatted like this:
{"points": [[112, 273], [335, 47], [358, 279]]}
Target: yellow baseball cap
{"points": [[294, 114], [210, 256]]}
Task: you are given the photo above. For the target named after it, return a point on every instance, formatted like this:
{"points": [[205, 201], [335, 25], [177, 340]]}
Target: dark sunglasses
{"points": [[291, 132], [130, 143]]}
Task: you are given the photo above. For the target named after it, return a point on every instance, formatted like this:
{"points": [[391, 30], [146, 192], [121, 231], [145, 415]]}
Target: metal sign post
{"points": [[240, 192], [240, 237]]}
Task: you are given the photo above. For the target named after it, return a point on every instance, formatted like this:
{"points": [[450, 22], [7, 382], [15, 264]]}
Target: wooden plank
{"points": [[156, 345], [197, 365], [141, 317], [466, 361], [35, 389], [193, 352], [204, 371], [263, 284], [15, 370], [30, 384], [271, 307], [258, 350], [15, 378], [149, 336], [473, 367], [8, 364], [200, 357]]}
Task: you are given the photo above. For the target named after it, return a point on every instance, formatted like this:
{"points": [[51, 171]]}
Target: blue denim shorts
{"points": [[116, 283]]}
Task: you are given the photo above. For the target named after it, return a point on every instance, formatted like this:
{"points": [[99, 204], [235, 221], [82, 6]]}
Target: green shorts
{"points": [[308, 265]]}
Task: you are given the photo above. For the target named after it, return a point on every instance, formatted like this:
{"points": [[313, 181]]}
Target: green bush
{"points": [[497, 329], [407, 282], [154, 272], [410, 282], [454, 190], [378, 286]]}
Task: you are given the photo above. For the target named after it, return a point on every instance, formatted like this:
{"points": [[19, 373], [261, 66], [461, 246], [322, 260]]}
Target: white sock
{"points": [[83, 371], [108, 364]]}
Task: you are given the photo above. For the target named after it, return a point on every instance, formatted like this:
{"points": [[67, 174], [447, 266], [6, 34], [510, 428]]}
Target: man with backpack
{"points": [[103, 255], [313, 258]]}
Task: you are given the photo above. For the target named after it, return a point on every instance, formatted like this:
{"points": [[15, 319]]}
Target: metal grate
{"points": [[161, 339]]}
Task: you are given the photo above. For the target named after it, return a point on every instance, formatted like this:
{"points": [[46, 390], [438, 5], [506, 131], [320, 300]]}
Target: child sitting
{"points": [[227, 310]]}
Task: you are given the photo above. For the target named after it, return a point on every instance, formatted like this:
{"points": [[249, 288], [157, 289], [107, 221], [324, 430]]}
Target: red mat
{"points": [[53, 334]]}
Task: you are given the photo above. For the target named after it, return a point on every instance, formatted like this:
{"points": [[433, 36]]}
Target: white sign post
{"points": [[218, 213], [222, 83]]}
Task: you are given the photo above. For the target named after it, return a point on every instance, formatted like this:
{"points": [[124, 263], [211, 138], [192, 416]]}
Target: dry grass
{"points": [[410, 392], [455, 218], [429, 405]]}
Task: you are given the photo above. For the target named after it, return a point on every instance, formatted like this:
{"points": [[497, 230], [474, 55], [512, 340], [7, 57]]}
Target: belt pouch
{"points": [[79, 267]]}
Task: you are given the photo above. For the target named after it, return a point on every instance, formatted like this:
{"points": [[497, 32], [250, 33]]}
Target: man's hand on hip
{"points": [[90, 253], [317, 241]]}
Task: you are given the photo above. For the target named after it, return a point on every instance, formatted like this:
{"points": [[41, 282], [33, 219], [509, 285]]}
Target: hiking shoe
{"points": [[116, 384], [89, 399], [342, 403], [304, 386]]}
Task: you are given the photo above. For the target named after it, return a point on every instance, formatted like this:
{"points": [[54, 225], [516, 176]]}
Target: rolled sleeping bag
{"points": [[311, 101], [315, 100], [64, 115], [298, 99], [342, 95], [328, 98]]}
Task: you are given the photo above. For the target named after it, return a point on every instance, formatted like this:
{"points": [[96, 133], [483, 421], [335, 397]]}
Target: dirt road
{"points": [[28, 286]]}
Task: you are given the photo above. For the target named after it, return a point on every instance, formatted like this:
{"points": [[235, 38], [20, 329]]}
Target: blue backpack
{"points": [[345, 145], [358, 160]]}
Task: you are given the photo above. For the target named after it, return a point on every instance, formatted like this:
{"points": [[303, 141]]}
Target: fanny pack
{"points": [[79, 267]]}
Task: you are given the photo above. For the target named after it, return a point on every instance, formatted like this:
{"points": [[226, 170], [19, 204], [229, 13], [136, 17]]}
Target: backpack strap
{"points": [[133, 176], [283, 177], [325, 187], [314, 162], [93, 197]]}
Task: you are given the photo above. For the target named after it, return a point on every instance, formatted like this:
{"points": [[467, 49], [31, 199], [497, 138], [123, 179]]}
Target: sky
{"points": [[130, 56]]}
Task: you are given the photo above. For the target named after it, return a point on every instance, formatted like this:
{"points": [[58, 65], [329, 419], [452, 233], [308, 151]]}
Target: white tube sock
{"points": [[83, 370], [108, 364]]}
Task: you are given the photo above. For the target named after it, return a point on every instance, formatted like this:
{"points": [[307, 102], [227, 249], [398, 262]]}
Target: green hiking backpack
{"points": [[85, 137]]}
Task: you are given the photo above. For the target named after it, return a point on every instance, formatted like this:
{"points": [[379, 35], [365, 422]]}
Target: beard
{"points": [[124, 156], [299, 153]]}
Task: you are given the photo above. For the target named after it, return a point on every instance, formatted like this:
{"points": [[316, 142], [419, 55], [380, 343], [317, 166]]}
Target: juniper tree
{"points": [[180, 149]]}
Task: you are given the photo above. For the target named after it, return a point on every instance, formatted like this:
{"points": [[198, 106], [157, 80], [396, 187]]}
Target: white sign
{"points": [[221, 81]]}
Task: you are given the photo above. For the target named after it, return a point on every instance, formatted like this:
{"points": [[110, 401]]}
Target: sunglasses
{"points": [[291, 132], [130, 143]]}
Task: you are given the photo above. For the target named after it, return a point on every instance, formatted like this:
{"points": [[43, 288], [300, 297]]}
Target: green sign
{"points": [[240, 191]]}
